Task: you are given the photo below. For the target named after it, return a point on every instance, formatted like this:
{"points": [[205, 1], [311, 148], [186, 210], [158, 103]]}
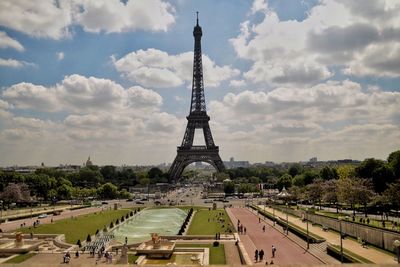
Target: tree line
{"points": [[50, 184], [373, 182]]}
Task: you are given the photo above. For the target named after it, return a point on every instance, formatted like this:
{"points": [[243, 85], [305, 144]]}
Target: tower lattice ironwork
{"points": [[197, 119]]}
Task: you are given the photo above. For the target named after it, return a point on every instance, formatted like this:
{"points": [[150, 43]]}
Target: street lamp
{"points": [[396, 244], [308, 237], [341, 239]]}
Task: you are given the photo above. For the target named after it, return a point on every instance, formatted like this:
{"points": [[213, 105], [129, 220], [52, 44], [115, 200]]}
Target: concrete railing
{"points": [[378, 237]]}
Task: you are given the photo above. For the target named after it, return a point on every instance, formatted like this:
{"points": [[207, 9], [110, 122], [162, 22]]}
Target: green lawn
{"points": [[352, 254], [132, 258], [79, 227], [207, 222], [217, 254], [21, 258]]}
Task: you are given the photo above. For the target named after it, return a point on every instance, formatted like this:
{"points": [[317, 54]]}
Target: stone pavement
{"points": [[231, 254], [288, 252], [333, 237]]}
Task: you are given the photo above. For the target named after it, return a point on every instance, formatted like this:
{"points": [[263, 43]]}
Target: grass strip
{"points": [[348, 255], [20, 258], [217, 254], [79, 227], [210, 222]]}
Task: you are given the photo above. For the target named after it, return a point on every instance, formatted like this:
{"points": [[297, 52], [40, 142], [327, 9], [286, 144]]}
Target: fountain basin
{"points": [[165, 221]]}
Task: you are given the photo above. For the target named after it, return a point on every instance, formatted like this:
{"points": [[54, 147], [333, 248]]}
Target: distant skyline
{"points": [[285, 80]]}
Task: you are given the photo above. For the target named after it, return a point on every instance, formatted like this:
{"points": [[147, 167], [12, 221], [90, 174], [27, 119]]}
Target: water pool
{"points": [[161, 221]]}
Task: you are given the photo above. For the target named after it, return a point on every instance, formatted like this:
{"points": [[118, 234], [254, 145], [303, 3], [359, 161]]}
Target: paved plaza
{"points": [[332, 237], [287, 252]]}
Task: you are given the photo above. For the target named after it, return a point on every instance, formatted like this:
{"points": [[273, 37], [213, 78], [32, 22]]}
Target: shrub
{"points": [[88, 238], [117, 221], [97, 231], [79, 243], [216, 244], [111, 225]]}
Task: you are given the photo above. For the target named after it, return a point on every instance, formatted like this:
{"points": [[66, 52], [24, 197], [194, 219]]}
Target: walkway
{"points": [[231, 254], [332, 237], [288, 252]]}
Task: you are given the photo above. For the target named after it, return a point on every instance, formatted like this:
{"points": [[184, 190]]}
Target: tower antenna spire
{"points": [[197, 15]]}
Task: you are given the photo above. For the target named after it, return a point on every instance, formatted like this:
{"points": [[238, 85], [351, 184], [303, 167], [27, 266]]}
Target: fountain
{"points": [[156, 247], [19, 240], [161, 221]]}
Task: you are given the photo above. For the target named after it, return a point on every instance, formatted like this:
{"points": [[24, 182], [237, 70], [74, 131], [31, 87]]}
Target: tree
{"points": [[392, 195], [310, 176], [298, 180], [107, 191], [221, 176], [154, 173], [124, 194], [354, 191], [346, 192], [345, 171], [15, 193], [376, 170], [394, 163], [284, 181], [330, 195], [144, 181], [229, 187], [247, 188], [314, 192], [295, 169], [108, 172], [90, 177], [328, 173], [64, 191]]}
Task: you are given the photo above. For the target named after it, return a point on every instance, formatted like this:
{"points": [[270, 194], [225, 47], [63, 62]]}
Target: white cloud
{"points": [[335, 32], [30, 96], [377, 60], [6, 41], [237, 83], [117, 16], [331, 120], [46, 18], [259, 5], [4, 104], [156, 68], [60, 56], [13, 63], [80, 94], [54, 19]]}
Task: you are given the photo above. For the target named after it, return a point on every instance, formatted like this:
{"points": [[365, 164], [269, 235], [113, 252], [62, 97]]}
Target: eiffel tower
{"points": [[197, 119]]}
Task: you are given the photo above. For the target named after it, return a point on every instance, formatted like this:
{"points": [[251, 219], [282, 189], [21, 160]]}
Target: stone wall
{"points": [[377, 237]]}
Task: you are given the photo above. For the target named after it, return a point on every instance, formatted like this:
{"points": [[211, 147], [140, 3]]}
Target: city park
{"points": [[337, 215], [286, 214]]}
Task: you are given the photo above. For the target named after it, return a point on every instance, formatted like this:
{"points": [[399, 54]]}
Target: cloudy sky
{"points": [[285, 80]]}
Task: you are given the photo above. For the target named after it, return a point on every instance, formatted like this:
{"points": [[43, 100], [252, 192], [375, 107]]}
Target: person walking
{"points": [[256, 255], [263, 228], [261, 254], [244, 230], [273, 251]]}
